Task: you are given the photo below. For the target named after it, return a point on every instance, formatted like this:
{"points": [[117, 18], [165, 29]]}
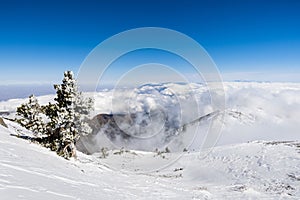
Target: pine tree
{"points": [[31, 116], [83, 107], [67, 117]]}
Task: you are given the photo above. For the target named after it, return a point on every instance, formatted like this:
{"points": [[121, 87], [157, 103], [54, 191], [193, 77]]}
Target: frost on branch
{"points": [[31, 116]]}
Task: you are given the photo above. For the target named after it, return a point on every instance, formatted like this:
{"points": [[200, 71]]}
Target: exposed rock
{"points": [[4, 113], [105, 123], [3, 123], [127, 127], [121, 127]]}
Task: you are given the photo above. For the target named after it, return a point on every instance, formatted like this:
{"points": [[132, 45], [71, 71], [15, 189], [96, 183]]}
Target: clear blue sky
{"points": [[246, 38]]}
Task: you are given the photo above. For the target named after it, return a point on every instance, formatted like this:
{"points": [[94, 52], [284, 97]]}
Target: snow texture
{"points": [[256, 170]]}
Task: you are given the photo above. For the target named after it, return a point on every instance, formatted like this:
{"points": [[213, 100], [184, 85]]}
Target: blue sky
{"points": [[248, 40]]}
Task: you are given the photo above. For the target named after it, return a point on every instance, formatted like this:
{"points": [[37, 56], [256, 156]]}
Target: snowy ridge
{"points": [[253, 170]]}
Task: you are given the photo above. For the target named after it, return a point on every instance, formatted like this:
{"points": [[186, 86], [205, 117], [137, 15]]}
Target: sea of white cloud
{"points": [[253, 111]]}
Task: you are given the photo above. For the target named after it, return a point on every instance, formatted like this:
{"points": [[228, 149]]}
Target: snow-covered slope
{"points": [[256, 170], [234, 169]]}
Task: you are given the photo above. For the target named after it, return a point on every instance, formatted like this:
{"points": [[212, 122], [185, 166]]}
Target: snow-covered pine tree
{"points": [[67, 118], [83, 107], [31, 116], [70, 115]]}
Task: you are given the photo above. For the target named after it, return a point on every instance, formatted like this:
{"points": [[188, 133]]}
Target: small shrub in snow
{"points": [[104, 152]]}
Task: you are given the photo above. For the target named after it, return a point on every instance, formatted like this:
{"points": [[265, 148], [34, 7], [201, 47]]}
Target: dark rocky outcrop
{"points": [[120, 128], [131, 128], [3, 123], [107, 124], [4, 113]]}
